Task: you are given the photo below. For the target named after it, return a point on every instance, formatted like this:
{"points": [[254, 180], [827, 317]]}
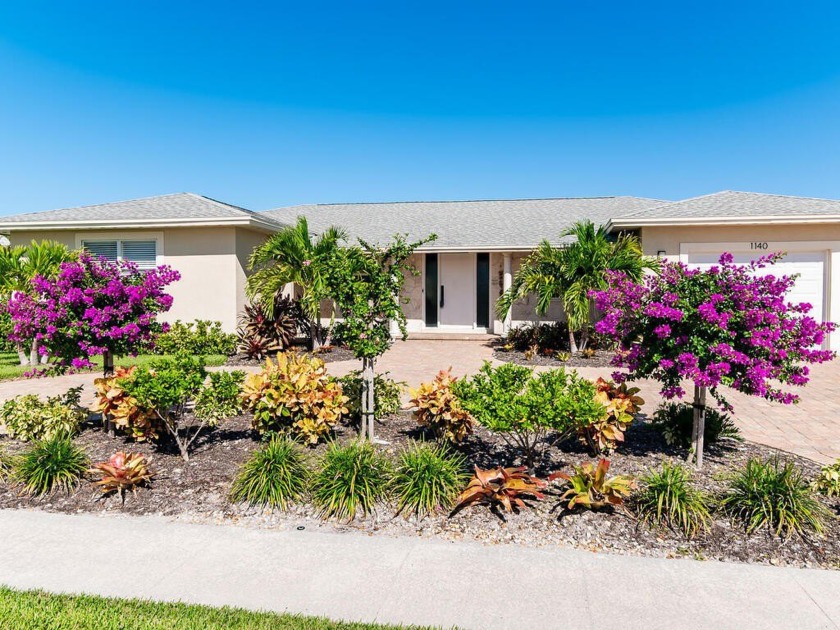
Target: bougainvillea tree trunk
{"points": [[367, 399], [699, 428]]}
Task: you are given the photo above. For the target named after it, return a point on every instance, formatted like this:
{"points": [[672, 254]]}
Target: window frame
{"points": [[120, 237]]}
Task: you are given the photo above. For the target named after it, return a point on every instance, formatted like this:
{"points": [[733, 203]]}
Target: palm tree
{"points": [[19, 264], [571, 272], [292, 256]]}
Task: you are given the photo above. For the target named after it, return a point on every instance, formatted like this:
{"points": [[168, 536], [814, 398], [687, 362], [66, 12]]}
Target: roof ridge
{"points": [[442, 201], [763, 194], [671, 203], [230, 205]]}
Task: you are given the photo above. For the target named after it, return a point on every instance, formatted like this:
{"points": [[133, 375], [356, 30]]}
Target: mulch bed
{"points": [[601, 358], [197, 491], [328, 354]]}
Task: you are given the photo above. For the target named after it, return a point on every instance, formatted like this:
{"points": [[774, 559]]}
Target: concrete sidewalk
{"points": [[403, 580]]}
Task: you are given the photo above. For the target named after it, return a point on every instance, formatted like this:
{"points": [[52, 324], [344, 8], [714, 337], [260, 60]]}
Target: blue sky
{"points": [[272, 103]]}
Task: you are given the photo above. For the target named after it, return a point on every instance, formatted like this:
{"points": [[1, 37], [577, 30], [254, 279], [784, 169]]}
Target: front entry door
{"points": [[456, 295]]}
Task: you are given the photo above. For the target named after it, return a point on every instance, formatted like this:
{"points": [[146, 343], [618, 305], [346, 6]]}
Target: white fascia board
{"points": [[136, 223], [744, 220]]}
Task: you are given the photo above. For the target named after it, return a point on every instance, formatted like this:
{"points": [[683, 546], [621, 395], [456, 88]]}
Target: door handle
{"points": [[442, 295]]}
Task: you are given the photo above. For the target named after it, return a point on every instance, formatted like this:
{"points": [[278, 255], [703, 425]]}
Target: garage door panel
{"points": [[810, 266]]}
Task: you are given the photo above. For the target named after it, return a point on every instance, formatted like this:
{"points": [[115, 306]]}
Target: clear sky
{"points": [[274, 103]]}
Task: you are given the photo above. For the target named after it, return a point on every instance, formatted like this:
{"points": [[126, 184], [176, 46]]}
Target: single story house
{"points": [[480, 244]]}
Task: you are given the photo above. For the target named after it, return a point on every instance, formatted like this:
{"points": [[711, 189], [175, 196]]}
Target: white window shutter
{"points": [[102, 249], [142, 253]]}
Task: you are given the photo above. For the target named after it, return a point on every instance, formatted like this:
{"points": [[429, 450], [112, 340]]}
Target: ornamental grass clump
{"points": [[350, 480], [727, 326], [523, 407], [428, 478], [668, 498], [294, 396], [275, 475], [774, 495], [437, 407], [52, 464], [675, 421]]}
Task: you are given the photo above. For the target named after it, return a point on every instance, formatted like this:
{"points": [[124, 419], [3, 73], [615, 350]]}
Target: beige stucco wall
{"points": [[212, 262], [668, 239]]}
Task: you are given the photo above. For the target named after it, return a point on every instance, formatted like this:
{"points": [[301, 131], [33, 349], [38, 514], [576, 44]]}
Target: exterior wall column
{"points": [[507, 281]]}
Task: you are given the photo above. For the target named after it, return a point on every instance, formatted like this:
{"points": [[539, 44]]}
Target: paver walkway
{"points": [[357, 577], [810, 429]]}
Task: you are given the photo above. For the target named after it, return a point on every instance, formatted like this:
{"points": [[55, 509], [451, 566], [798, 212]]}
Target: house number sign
{"points": [[762, 245]]}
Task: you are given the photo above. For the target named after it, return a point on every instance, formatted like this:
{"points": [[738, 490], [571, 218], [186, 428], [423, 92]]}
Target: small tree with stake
{"points": [[365, 281], [730, 325]]}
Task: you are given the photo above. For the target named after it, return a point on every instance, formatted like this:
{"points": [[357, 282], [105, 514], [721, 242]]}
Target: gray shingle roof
{"points": [[520, 223], [733, 204], [165, 208]]}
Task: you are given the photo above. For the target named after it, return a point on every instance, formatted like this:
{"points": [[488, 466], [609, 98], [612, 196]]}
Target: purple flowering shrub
{"points": [[728, 325], [90, 307]]}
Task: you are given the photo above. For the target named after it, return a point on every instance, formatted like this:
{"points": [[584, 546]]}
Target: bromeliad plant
{"points": [[621, 404], [500, 488], [590, 487], [523, 408], [437, 407], [123, 471], [729, 325], [123, 411], [294, 395]]}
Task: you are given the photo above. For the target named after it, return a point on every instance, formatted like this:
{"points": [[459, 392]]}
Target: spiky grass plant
{"points": [[5, 464], [774, 495], [275, 475], [350, 480], [668, 498], [53, 464], [428, 477]]}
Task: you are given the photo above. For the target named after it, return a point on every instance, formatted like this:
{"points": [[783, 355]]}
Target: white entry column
{"points": [[507, 281]]}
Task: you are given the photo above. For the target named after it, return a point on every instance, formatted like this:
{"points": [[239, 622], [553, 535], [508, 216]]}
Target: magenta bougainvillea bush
{"points": [[728, 325], [91, 307]]}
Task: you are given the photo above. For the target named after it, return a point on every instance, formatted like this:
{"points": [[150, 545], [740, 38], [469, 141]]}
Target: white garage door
{"points": [[809, 287]]}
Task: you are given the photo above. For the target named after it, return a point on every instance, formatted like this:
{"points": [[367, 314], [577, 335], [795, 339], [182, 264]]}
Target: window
{"points": [[142, 253]]}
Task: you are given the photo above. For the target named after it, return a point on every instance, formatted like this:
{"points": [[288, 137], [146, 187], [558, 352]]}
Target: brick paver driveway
{"points": [[810, 429]]}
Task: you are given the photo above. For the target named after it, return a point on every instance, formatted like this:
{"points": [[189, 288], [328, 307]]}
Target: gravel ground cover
{"points": [[198, 491]]}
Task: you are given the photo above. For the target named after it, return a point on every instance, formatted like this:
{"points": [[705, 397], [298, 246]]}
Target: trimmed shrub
{"points": [[676, 421], [668, 498], [29, 418], [521, 407], [350, 480], [221, 396], [549, 338], [295, 396], [115, 404], [428, 478], [52, 464], [386, 394], [828, 480], [6, 345], [621, 404], [274, 475], [774, 495], [201, 337], [437, 407]]}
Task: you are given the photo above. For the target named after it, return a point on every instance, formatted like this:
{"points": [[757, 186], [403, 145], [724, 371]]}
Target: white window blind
{"points": [[142, 253], [103, 249]]}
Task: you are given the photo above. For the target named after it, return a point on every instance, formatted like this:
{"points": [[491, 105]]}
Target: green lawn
{"points": [[39, 610], [11, 368]]}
